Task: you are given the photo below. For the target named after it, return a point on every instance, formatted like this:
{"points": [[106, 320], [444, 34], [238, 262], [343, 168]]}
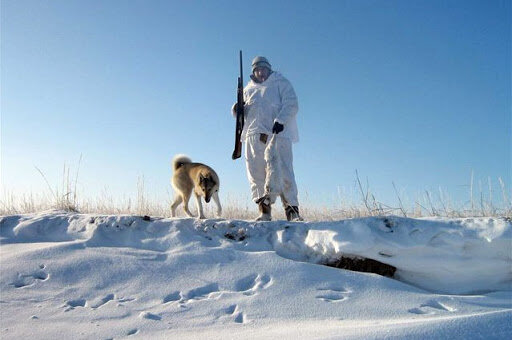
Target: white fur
{"points": [[274, 178], [274, 181], [180, 158]]}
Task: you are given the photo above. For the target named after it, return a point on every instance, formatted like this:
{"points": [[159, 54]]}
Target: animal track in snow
{"points": [[333, 294], [231, 309], [24, 280], [210, 291], [235, 312], [241, 318], [175, 296], [420, 311], [248, 286], [100, 302], [246, 283], [72, 304], [331, 297], [95, 303], [150, 316], [132, 331], [252, 283], [439, 305], [431, 306]]}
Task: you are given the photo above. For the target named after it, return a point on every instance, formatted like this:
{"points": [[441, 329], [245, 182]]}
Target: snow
{"points": [[73, 276]]}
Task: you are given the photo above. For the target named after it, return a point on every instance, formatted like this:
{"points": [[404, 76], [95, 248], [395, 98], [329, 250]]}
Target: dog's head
{"points": [[208, 186]]}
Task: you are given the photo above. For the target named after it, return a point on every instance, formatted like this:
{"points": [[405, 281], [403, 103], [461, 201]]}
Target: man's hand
{"points": [[234, 108], [277, 128]]}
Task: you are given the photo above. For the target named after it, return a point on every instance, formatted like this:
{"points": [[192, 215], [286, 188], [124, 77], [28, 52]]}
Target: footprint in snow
{"points": [[207, 292], [241, 318], [431, 306], [150, 316], [251, 284], [231, 310], [25, 280], [333, 294], [331, 297], [420, 311], [123, 300], [72, 304], [132, 331], [439, 305], [100, 302], [95, 303], [174, 296], [235, 312]]}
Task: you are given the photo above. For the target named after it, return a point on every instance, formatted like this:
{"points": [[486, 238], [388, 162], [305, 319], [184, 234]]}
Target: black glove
{"points": [[277, 128], [235, 106]]}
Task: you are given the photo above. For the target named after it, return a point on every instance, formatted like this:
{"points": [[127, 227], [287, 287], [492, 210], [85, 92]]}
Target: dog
{"points": [[200, 178]]}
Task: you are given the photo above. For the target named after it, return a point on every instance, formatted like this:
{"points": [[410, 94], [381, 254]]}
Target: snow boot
{"points": [[292, 213], [265, 211]]}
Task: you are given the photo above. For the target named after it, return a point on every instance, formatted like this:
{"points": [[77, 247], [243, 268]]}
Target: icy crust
{"points": [[455, 256]]}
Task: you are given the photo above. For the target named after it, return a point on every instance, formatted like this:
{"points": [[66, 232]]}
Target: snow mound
{"points": [[95, 276], [458, 256]]}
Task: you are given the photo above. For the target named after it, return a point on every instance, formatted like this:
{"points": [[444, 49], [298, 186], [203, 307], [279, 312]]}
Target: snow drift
{"points": [[115, 276]]}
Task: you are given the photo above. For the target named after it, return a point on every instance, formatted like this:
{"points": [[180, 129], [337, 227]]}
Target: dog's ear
{"points": [[201, 178]]}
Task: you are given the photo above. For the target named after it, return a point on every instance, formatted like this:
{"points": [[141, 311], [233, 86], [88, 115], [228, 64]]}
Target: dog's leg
{"points": [[175, 204], [215, 197], [186, 198], [199, 207]]}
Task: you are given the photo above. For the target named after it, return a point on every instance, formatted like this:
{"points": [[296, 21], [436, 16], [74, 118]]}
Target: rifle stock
{"points": [[237, 153]]}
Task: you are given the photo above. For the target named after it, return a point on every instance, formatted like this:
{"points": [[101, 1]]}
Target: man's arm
{"points": [[289, 102]]}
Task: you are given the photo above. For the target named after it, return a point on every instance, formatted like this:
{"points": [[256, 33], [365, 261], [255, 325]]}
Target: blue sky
{"points": [[416, 93]]}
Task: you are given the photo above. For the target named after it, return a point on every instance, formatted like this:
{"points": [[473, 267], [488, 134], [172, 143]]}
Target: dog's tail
{"points": [[179, 160]]}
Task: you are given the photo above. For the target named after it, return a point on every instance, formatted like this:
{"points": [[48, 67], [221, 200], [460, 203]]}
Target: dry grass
{"points": [[65, 197], [142, 205]]}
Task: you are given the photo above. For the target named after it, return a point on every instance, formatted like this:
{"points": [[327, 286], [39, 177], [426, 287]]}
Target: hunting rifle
{"points": [[239, 114]]}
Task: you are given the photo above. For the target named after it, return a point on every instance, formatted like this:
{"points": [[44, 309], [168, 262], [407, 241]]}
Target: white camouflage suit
{"points": [[271, 101]]}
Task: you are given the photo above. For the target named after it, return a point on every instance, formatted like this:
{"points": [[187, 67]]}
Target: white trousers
{"points": [[256, 167]]}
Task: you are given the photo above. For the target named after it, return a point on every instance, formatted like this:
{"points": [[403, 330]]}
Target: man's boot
{"points": [[292, 213], [264, 211]]}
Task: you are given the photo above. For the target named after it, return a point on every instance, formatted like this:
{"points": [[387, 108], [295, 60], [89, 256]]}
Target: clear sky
{"points": [[415, 93]]}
